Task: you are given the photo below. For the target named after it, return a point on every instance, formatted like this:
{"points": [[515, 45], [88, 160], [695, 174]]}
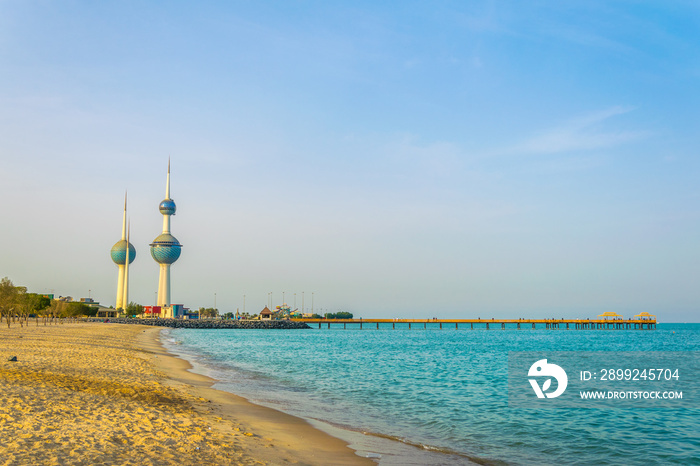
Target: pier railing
{"points": [[577, 324]]}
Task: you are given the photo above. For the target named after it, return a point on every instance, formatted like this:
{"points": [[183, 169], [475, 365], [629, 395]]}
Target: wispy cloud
{"points": [[587, 38], [586, 132]]}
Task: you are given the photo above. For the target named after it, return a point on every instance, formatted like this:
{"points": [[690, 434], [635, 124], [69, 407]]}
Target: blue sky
{"points": [[452, 159]]}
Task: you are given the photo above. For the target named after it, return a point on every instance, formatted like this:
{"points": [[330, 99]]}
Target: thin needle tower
{"points": [[123, 253]]}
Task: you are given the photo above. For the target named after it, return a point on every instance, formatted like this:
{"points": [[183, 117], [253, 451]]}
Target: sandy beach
{"points": [[85, 394]]}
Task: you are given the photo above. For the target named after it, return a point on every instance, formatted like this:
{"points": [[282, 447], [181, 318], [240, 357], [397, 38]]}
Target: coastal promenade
{"points": [[554, 324]]}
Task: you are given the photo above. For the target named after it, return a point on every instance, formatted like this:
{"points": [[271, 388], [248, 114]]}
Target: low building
{"points": [[266, 314], [106, 312], [175, 311], [152, 311]]}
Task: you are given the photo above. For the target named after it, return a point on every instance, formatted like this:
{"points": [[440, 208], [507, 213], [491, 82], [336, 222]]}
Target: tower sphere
{"points": [[118, 252], [165, 249], [167, 207]]}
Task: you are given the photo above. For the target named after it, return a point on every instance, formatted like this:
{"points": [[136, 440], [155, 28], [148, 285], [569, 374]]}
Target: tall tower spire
{"points": [[123, 253], [124, 218], [165, 249], [167, 182], [167, 203]]}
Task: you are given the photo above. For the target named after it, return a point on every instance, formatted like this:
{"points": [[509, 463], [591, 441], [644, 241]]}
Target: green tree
{"points": [[133, 309], [8, 299], [339, 315], [15, 302], [40, 304], [208, 312], [78, 309], [53, 311], [31, 304]]}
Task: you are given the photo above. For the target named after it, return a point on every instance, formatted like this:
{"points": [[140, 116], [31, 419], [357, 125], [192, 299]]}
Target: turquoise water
{"points": [[446, 391]]}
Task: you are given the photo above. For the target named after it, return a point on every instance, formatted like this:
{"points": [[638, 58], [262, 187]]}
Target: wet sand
{"points": [[92, 393]]}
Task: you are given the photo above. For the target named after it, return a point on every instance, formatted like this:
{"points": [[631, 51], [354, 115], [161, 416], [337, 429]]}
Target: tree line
{"points": [[338, 315], [18, 306]]}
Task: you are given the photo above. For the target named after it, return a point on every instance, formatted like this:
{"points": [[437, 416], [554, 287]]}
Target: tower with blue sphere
{"points": [[165, 249], [123, 253]]}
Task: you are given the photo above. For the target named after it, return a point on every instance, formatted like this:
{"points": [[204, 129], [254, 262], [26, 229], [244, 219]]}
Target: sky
{"points": [[396, 159]]}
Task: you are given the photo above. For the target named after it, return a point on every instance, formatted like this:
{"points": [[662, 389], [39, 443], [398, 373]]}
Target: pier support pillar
{"points": [[487, 325]]}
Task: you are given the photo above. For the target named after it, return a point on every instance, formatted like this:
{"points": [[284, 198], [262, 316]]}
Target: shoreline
{"points": [[267, 423], [88, 393], [385, 449]]}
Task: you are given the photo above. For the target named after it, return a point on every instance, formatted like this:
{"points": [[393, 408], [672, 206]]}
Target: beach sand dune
{"points": [[89, 393]]}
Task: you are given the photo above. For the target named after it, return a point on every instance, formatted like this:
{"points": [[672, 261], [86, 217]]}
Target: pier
{"points": [[553, 324]]}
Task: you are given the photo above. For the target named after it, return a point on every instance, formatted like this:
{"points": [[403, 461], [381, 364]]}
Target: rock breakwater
{"points": [[194, 323]]}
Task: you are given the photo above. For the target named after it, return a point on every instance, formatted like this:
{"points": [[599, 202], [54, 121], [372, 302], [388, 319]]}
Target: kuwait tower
{"points": [[123, 253], [165, 249]]}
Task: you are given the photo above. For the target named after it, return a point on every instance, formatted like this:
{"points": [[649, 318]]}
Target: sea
{"points": [[442, 396]]}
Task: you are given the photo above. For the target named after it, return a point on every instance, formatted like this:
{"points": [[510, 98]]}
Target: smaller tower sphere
{"points": [[118, 252], [167, 207]]}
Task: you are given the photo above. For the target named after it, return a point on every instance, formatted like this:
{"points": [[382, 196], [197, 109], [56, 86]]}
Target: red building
{"points": [[151, 311]]}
